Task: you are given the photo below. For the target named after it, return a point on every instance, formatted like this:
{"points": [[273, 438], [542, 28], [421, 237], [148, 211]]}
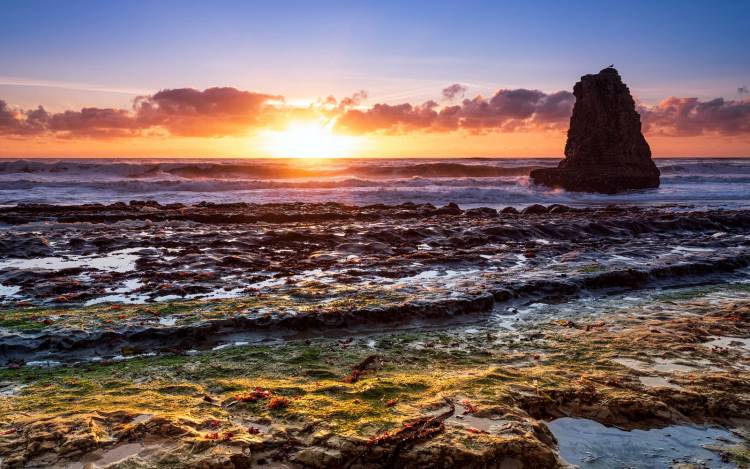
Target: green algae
{"points": [[563, 369], [184, 312], [590, 268]]}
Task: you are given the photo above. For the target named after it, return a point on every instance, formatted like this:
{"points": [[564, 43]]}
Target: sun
{"points": [[307, 140]]}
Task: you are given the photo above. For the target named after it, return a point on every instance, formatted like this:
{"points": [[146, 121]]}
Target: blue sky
{"points": [[104, 52]]}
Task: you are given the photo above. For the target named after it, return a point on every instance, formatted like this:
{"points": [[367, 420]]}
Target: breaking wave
{"points": [[260, 169], [469, 182]]}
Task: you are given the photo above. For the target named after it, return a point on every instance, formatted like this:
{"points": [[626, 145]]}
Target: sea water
{"points": [[469, 182]]}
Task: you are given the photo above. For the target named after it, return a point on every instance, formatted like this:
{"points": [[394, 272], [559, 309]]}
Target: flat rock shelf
{"points": [[327, 335]]}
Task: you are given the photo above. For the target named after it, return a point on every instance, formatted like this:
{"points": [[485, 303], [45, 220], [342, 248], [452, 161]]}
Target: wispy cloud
{"points": [[67, 85]]}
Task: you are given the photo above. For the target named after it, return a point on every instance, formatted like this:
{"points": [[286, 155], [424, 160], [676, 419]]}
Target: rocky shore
{"points": [[318, 335], [143, 252]]}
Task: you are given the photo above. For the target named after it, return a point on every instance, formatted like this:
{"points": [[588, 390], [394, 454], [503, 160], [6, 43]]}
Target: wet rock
{"points": [[76, 243], [509, 210], [174, 256], [559, 208], [237, 261], [318, 457], [606, 151], [450, 209], [144, 203], [24, 246], [612, 208], [535, 209], [364, 248], [481, 212]]}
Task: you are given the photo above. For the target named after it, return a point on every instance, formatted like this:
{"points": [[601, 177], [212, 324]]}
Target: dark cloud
{"points": [[183, 112], [217, 112], [692, 117], [555, 107], [354, 100], [742, 90], [92, 122], [532, 110], [505, 110], [18, 122], [453, 91], [400, 118], [212, 112]]}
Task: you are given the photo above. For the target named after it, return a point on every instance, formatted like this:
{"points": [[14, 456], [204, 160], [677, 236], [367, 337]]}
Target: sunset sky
{"points": [[259, 79]]}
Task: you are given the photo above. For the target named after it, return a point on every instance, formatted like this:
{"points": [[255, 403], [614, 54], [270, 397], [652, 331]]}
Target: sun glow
{"points": [[308, 140]]}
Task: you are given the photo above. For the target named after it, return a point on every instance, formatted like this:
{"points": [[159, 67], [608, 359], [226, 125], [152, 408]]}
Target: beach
{"points": [[393, 313]]}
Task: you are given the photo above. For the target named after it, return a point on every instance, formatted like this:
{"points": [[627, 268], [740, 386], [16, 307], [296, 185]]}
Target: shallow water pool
{"points": [[589, 444]]}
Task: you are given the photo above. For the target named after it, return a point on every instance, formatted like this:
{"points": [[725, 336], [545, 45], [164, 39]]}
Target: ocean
{"points": [[469, 182]]}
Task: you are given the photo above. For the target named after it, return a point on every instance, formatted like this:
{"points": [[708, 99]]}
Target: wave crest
{"points": [[259, 169]]}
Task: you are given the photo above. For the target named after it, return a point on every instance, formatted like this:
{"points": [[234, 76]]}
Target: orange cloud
{"points": [[506, 110], [214, 112], [229, 112], [400, 118], [92, 122], [20, 122], [687, 117]]}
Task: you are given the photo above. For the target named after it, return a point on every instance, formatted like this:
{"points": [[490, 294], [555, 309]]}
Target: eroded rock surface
{"points": [[170, 281], [606, 151], [468, 397], [325, 335]]}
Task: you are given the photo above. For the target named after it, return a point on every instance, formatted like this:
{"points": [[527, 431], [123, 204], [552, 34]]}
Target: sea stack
{"points": [[606, 151]]}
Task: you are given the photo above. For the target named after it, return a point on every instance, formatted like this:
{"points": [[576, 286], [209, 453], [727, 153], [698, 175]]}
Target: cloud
{"points": [[88, 122], [19, 122], [66, 85], [400, 118], [555, 108], [213, 112], [354, 100], [685, 117], [742, 90], [521, 110], [453, 91], [208, 113], [91, 122], [506, 110], [224, 111]]}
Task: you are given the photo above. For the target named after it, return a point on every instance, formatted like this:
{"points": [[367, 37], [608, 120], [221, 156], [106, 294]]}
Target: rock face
{"points": [[606, 151]]}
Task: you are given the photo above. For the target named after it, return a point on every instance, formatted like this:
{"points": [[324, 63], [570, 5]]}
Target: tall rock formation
{"points": [[606, 151]]}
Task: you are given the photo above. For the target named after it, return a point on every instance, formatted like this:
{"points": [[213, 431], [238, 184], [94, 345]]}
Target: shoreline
{"points": [[311, 335]]}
